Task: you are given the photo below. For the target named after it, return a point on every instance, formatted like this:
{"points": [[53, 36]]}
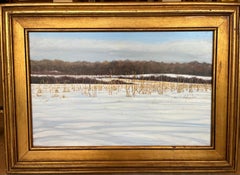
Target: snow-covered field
{"points": [[107, 115], [125, 76]]}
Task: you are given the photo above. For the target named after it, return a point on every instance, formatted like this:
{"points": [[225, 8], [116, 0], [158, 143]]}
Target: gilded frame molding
{"points": [[18, 19]]}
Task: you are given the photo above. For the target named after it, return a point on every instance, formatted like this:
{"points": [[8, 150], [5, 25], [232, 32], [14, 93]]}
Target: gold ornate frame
{"points": [[23, 157]]}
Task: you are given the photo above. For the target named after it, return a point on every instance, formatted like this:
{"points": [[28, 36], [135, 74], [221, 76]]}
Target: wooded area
{"points": [[119, 67]]}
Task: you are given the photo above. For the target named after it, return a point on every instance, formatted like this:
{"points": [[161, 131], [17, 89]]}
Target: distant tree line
{"points": [[71, 80], [119, 67], [87, 80]]}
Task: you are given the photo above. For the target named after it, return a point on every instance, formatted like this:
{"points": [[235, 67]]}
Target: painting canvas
{"points": [[130, 88]]}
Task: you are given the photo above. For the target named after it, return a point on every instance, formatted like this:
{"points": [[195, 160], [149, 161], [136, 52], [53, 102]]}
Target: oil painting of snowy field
{"points": [[121, 88]]}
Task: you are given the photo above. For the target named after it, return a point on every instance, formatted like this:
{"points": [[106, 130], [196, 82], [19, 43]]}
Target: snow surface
{"points": [[64, 116], [125, 76]]}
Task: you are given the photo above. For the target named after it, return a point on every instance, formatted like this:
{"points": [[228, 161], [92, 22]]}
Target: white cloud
{"points": [[98, 50]]}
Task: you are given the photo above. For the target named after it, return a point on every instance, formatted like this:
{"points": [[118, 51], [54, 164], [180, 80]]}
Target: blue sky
{"points": [[172, 46]]}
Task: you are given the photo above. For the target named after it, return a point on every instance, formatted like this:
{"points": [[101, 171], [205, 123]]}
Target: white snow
{"points": [[72, 115], [125, 76]]}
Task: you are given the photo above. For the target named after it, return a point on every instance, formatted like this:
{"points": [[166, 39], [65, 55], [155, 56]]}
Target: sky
{"points": [[173, 46]]}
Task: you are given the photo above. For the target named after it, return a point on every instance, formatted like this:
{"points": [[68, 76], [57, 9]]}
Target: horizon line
{"points": [[117, 60]]}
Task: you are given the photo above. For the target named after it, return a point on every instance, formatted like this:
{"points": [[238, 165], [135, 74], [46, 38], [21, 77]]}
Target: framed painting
{"points": [[127, 87]]}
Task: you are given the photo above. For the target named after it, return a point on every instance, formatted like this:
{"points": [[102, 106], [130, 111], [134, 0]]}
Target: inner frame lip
{"points": [[126, 147]]}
